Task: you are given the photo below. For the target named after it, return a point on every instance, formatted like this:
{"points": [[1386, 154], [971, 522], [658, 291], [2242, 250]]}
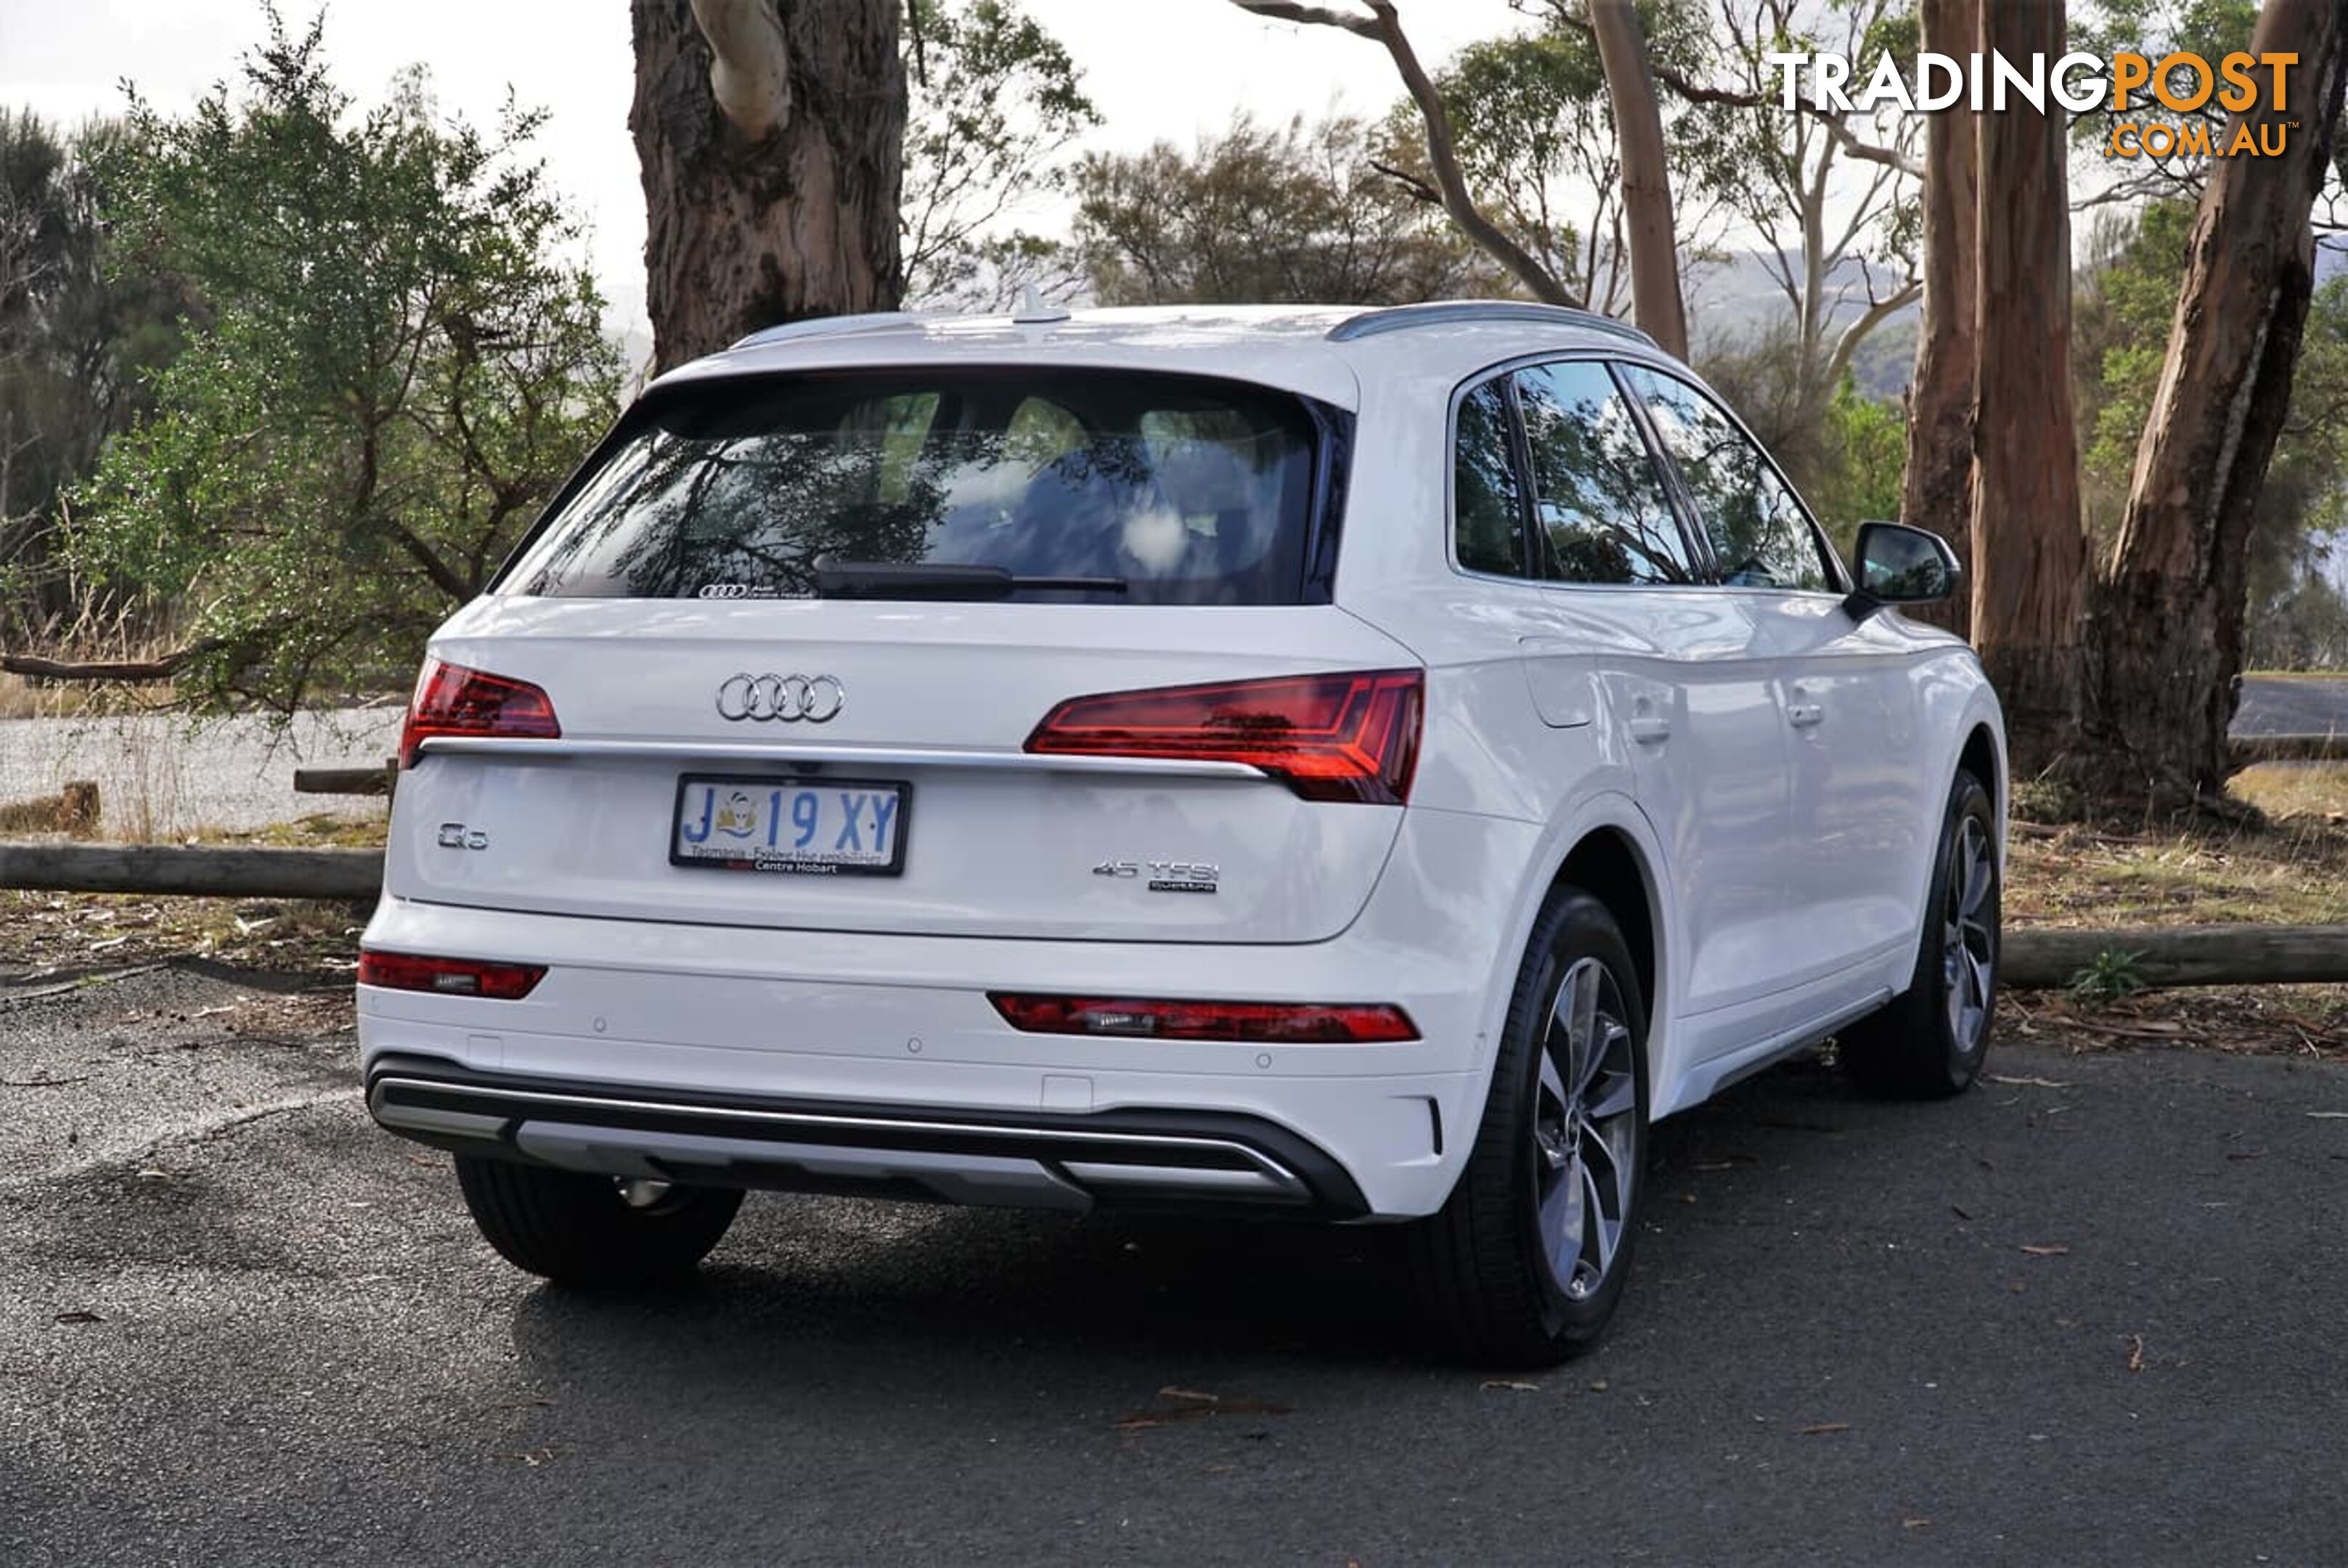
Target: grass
{"points": [[320, 830], [2290, 870], [2307, 790]]}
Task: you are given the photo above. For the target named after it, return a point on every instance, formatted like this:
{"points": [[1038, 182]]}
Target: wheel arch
{"points": [[1982, 757], [1606, 846], [1606, 864]]}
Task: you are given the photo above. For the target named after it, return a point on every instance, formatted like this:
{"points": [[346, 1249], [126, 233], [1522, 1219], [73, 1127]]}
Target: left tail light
{"points": [[451, 700], [449, 976], [1349, 737]]}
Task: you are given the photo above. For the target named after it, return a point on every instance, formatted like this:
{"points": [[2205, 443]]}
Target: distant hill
{"points": [[1735, 299]]}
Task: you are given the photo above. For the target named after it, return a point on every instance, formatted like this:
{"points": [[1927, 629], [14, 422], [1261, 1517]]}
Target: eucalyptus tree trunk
{"points": [[771, 136], [1936, 489], [1646, 176], [2168, 632], [2027, 540]]}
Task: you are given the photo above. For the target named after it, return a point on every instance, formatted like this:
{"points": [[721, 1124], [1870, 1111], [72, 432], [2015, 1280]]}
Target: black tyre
{"points": [[1928, 1042], [593, 1231], [1523, 1266]]}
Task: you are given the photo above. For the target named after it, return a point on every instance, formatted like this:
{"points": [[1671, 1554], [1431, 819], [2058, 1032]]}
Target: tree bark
{"points": [[2168, 634], [1936, 490], [127, 671], [781, 204], [1646, 177], [2028, 545]]}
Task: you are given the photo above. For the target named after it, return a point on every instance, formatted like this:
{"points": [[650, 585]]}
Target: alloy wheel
{"points": [[1968, 941], [1585, 1130]]}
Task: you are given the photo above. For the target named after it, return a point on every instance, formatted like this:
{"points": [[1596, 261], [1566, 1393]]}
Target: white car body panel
{"points": [[1785, 859], [961, 678]]}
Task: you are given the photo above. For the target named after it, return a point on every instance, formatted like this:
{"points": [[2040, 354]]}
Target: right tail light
{"points": [[1345, 737]]}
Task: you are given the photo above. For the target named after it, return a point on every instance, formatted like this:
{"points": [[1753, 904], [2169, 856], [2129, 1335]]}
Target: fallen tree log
{"points": [[343, 781], [215, 871], [2037, 958]]}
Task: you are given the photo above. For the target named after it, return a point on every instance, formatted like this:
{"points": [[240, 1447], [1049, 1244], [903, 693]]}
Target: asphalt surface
{"points": [[2293, 707], [160, 776], [2090, 1312]]}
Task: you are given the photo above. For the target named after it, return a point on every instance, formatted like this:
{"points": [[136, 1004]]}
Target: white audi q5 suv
{"points": [[1359, 764]]}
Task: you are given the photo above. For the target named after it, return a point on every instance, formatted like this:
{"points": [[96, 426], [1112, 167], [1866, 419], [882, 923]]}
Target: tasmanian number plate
{"points": [[804, 826]]}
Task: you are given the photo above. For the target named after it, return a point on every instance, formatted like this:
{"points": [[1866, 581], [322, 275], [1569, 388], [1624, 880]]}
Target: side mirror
{"points": [[1896, 564]]}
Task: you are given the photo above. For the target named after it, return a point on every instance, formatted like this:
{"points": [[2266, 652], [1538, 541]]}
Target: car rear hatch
{"points": [[814, 655]]}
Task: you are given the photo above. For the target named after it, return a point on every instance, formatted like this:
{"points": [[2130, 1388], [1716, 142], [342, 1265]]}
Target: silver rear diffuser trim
{"points": [[999, 1162]]}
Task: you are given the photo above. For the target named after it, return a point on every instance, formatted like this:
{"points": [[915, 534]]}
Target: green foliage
{"points": [[1287, 214], [2109, 977], [72, 343], [995, 101], [1534, 126], [2124, 307], [2155, 29], [396, 371], [1865, 444], [2134, 303]]}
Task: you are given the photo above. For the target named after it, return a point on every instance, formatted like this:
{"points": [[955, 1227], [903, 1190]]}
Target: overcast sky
{"points": [[1156, 68]]}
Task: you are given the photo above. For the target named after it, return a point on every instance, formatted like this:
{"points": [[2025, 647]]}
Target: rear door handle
{"points": [[1650, 726], [1802, 715]]}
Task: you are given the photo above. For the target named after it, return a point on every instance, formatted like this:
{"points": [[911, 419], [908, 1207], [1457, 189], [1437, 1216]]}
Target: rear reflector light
{"points": [[449, 976], [1273, 1023], [1351, 737], [451, 700]]}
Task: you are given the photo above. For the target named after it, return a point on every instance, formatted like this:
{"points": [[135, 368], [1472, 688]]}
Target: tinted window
{"points": [[1190, 491], [1486, 518], [1759, 533], [1603, 512]]}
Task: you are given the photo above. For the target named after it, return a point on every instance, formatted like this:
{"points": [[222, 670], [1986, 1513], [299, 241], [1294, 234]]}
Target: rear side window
{"points": [[1604, 515], [1487, 508], [1184, 491], [1759, 533]]}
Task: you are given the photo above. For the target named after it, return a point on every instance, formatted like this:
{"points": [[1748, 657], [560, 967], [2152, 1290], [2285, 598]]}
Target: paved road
{"points": [[159, 778], [236, 1323], [2295, 707]]}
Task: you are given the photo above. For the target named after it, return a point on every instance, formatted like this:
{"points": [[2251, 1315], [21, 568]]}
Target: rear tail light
{"points": [[449, 976], [1351, 737], [451, 700], [1272, 1023]]}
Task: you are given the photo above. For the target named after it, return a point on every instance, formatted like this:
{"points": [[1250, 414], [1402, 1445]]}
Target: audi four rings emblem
{"points": [[781, 699]]}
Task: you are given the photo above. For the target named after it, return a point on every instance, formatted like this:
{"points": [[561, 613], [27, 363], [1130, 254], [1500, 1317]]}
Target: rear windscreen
{"points": [[1179, 489]]}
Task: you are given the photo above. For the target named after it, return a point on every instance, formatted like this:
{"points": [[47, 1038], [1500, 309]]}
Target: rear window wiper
{"points": [[942, 579]]}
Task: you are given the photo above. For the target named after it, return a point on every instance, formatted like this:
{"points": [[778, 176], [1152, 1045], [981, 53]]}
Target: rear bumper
{"points": [[683, 1014], [1036, 1160]]}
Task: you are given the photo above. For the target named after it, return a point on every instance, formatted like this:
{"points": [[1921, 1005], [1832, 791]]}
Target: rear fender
{"points": [[1604, 811]]}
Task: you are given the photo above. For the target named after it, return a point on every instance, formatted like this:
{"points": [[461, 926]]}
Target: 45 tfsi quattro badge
{"points": [[781, 699]]}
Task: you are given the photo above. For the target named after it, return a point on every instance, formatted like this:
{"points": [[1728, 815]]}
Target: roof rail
{"points": [[1441, 312], [828, 326]]}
